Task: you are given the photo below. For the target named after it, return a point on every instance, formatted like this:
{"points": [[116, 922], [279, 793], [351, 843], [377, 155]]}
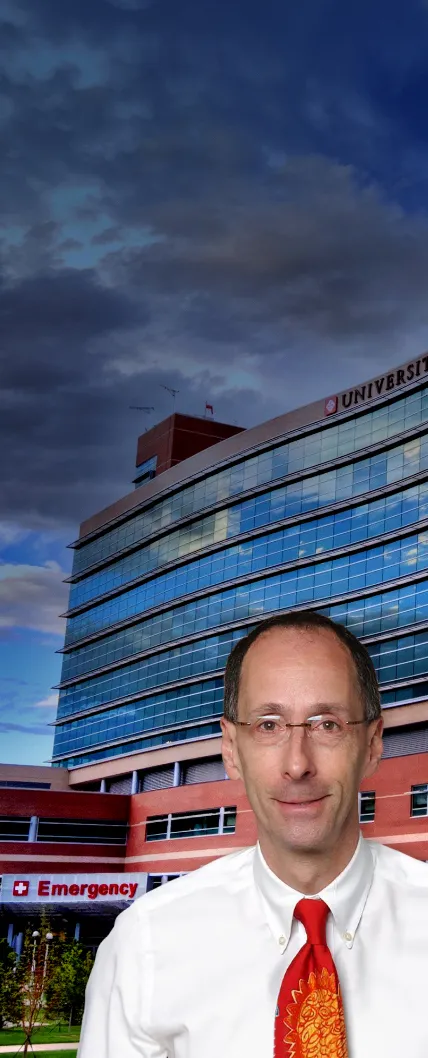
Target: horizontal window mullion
{"points": [[359, 614], [268, 488], [142, 737], [199, 700], [321, 428], [319, 563], [202, 637], [228, 545], [357, 500], [389, 657], [169, 700], [190, 681], [364, 462]]}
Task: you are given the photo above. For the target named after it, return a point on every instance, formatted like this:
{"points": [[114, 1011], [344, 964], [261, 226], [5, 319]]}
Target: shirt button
{"points": [[348, 936], [281, 940]]}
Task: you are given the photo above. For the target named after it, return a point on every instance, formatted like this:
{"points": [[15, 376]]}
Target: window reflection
{"points": [[348, 573], [335, 440], [403, 657], [252, 514]]}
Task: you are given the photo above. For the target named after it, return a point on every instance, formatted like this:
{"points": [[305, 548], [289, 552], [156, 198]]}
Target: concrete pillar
{"points": [[359, 807], [177, 773], [103, 787], [77, 931], [10, 934], [19, 944], [226, 775], [168, 829], [134, 783], [164, 879], [32, 833], [221, 821]]}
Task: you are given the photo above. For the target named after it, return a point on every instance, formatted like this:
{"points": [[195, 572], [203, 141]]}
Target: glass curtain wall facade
{"points": [[332, 516]]}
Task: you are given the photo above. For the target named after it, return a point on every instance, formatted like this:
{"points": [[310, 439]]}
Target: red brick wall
{"points": [[60, 857], [393, 823], [185, 854], [179, 437], [56, 804]]}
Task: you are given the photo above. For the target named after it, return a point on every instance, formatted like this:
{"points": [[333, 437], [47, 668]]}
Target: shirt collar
{"points": [[346, 895]]}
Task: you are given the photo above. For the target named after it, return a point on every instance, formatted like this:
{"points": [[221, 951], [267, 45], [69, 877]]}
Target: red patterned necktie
{"points": [[309, 1020]]}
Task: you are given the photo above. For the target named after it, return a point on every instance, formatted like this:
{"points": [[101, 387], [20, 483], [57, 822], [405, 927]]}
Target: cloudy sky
{"points": [[227, 198]]}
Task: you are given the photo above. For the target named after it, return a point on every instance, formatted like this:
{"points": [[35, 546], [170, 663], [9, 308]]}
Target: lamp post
{"points": [[49, 937], [35, 937]]}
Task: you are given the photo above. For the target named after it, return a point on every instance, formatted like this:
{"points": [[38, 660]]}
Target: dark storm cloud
{"points": [[29, 729], [55, 401], [202, 196]]}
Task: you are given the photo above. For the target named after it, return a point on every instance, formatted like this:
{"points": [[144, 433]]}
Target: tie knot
{"points": [[313, 914]]}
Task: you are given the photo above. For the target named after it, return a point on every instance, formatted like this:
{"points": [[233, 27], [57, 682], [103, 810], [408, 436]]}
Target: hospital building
{"points": [[324, 507]]}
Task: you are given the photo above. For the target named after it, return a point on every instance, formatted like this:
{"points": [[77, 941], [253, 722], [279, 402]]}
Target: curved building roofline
{"points": [[400, 379]]}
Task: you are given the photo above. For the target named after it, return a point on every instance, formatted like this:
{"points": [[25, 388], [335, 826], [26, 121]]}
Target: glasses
{"points": [[323, 730]]}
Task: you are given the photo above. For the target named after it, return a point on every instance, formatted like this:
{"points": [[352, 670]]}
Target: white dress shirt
{"points": [[193, 969]]}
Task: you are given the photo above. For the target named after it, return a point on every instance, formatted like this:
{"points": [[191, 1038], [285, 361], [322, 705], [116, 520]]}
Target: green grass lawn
{"points": [[55, 1054], [48, 1054], [45, 1034]]}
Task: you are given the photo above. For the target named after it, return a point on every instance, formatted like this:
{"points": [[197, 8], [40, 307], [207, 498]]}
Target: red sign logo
{"points": [[20, 888], [330, 405]]}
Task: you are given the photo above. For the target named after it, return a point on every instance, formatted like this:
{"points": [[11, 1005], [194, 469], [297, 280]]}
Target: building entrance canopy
{"points": [[26, 893]]}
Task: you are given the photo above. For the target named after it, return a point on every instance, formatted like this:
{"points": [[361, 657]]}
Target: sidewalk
{"points": [[13, 1047]]}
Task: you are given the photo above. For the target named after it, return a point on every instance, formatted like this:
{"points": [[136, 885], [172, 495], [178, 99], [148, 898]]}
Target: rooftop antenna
{"points": [[173, 393]]}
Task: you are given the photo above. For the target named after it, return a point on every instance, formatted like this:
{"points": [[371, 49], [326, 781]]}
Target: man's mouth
{"points": [[300, 800], [302, 803]]}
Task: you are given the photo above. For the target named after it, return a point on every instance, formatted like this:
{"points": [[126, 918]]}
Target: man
{"points": [[314, 942]]}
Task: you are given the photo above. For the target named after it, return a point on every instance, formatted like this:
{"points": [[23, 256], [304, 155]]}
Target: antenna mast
{"points": [[173, 393]]}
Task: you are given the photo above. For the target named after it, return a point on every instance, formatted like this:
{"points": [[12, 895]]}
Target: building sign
{"points": [[71, 888], [331, 405], [378, 387]]}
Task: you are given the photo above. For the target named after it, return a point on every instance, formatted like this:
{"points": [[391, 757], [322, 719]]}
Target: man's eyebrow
{"points": [[275, 709]]}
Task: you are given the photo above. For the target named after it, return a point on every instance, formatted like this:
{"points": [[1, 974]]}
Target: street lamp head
{"points": [[36, 934], [49, 936]]}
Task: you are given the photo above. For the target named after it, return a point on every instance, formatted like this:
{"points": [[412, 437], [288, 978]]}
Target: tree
{"points": [[32, 974], [47, 981], [10, 992], [65, 993]]}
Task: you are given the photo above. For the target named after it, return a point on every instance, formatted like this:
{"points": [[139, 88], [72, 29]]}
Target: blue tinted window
{"points": [[342, 438], [396, 659], [202, 731], [257, 554], [335, 577], [279, 503], [180, 706]]}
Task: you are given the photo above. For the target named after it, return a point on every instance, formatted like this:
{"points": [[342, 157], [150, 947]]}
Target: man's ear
{"points": [[229, 749], [375, 747]]}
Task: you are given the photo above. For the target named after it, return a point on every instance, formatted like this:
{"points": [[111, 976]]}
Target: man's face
{"points": [[304, 795]]}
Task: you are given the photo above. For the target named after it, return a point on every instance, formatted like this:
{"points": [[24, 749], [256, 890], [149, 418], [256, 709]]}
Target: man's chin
{"points": [[305, 828]]}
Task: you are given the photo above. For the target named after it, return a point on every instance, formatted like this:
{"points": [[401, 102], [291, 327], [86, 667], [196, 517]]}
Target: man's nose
{"points": [[297, 757]]}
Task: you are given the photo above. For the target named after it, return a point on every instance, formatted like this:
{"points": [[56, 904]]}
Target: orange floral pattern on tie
{"points": [[316, 1019], [310, 1020]]}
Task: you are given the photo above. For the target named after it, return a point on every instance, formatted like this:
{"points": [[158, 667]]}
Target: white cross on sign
{"points": [[21, 888]]}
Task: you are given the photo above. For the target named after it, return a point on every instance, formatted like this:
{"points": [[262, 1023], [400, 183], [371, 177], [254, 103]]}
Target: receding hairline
{"points": [[310, 631]]}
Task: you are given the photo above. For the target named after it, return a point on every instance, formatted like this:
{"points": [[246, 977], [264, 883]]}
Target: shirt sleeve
{"points": [[118, 995]]}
